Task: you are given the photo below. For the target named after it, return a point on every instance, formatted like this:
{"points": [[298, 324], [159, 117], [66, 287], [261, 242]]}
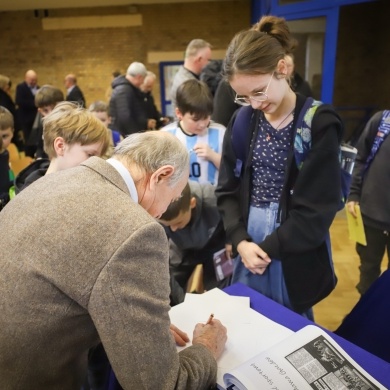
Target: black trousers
{"points": [[371, 256]]}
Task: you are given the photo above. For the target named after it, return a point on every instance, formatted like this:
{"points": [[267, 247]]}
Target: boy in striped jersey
{"points": [[202, 137]]}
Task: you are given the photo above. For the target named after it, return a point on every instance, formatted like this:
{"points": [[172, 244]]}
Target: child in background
{"points": [[6, 126], [71, 135], [194, 227], [6, 134], [202, 138], [101, 110], [45, 100]]}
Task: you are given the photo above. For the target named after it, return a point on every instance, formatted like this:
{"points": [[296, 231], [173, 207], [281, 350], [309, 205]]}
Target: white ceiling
{"points": [[18, 5]]}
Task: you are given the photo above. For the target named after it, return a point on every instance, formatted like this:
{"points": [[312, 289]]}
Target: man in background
{"points": [[197, 56], [127, 107], [151, 109], [370, 177], [26, 109], [73, 91]]}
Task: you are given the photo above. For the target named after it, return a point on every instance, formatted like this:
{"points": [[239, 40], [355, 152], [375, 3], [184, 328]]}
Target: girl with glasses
{"points": [[276, 216]]}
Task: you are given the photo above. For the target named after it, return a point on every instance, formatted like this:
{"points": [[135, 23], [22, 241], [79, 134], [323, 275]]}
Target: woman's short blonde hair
{"points": [[75, 125]]}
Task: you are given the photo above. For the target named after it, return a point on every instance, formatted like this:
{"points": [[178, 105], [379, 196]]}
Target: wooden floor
{"points": [[330, 312]]}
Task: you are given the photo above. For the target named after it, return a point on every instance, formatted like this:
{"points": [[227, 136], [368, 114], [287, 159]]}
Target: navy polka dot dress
{"points": [[269, 162]]}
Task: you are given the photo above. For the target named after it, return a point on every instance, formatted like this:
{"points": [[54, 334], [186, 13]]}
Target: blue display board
{"points": [[306, 9], [168, 70]]}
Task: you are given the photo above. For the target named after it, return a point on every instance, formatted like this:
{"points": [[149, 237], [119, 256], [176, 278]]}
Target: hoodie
{"points": [[31, 173]]}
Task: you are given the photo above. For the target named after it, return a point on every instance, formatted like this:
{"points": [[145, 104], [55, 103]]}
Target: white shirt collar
{"points": [[123, 171], [70, 89]]}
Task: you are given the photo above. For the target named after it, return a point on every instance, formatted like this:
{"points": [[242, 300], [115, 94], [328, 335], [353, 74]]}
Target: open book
{"points": [[308, 359], [261, 354]]}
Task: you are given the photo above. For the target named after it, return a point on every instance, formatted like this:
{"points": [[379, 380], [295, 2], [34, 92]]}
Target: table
{"points": [[375, 366]]}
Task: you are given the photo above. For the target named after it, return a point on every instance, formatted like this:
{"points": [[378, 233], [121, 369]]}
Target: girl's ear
{"points": [[281, 68]]}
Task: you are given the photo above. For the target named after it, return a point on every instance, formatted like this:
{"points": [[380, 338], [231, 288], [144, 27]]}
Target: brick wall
{"points": [[362, 71], [93, 54]]}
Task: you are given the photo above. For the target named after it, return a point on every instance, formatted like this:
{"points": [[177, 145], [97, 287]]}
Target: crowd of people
{"points": [[121, 204]]}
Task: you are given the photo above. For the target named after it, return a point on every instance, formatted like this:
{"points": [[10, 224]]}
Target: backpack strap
{"points": [[302, 139], [383, 131], [240, 134]]}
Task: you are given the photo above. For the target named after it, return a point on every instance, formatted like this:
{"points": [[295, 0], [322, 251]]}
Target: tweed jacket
{"points": [[80, 261]]}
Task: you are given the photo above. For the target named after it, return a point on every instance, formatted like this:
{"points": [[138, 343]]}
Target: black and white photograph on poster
{"points": [[324, 368]]}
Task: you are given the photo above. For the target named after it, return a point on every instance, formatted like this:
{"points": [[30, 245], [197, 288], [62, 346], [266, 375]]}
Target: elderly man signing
{"points": [[83, 260]]}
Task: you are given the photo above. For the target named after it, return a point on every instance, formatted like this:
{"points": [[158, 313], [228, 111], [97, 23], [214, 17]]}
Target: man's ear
{"points": [[162, 174], [59, 146], [193, 202]]}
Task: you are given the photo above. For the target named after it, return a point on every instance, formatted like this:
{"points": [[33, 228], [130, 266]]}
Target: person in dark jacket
{"points": [[276, 216], [368, 190], [298, 83], [46, 99], [6, 131], [127, 108], [224, 104], [151, 110], [26, 109], [7, 102], [195, 231], [223, 94], [73, 91]]}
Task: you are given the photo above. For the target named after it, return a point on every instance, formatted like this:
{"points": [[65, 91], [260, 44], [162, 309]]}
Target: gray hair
{"points": [[153, 149], [136, 68], [4, 81], [150, 75], [194, 46]]}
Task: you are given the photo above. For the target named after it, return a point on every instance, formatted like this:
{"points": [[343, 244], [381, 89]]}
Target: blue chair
{"points": [[368, 323]]}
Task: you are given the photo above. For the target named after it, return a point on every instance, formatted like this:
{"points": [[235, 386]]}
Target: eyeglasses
{"points": [[257, 96]]}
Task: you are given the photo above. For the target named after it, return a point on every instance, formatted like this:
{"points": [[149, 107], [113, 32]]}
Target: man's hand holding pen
{"points": [[212, 335]]}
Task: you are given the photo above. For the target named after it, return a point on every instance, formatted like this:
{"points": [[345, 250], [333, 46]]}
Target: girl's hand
{"points": [[253, 257]]}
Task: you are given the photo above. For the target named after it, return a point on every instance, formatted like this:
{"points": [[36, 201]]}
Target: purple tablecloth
{"points": [[375, 366]]}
